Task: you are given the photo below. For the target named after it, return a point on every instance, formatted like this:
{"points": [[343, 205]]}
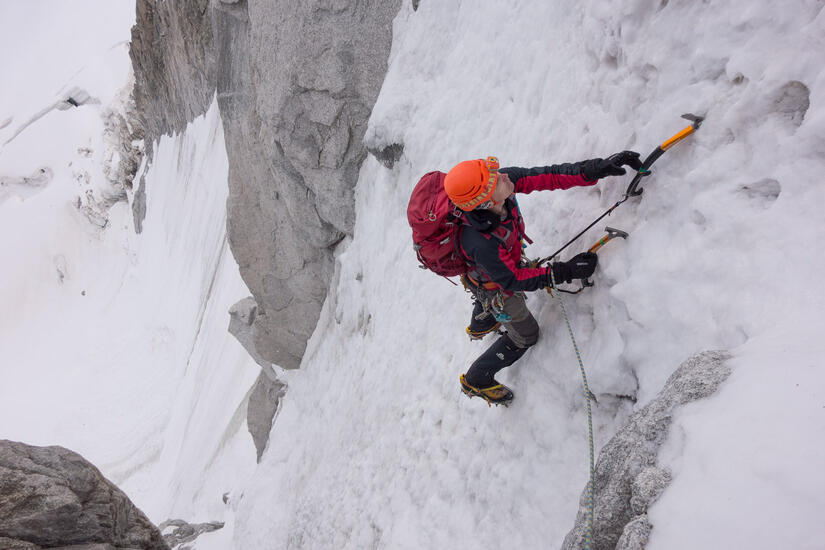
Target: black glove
{"points": [[580, 266], [611, 166]]}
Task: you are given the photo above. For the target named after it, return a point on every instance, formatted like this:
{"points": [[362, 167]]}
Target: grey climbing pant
{"points": [[522, 332], [523, 329]]}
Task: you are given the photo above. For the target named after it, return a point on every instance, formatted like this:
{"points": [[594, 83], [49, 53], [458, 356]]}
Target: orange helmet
{"points": [[471, 183]]}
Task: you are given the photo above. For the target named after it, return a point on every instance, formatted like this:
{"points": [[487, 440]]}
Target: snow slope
{"points": [[375, 447], [115, 345]]}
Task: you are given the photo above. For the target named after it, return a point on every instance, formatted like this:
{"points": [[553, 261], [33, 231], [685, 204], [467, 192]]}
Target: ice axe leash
{"points": [[633, 189]]}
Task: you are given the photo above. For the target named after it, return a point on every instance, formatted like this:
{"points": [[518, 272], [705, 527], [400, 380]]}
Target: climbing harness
{"points": [[633, 189], [490, 296], [588, 395]]}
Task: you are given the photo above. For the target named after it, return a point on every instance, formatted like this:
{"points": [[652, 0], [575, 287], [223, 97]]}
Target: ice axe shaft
{"points": [[644, 171], [696, 120], [612, 233]]}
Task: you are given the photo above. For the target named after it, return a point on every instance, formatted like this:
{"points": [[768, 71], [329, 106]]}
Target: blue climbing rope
{"points": [[588, 534]]}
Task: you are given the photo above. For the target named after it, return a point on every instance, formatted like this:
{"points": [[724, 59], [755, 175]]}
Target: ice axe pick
{"points": [[612, 233]]}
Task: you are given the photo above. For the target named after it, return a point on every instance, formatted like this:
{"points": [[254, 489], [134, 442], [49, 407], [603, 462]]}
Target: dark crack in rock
{"points": [[53, 497], [627, 479]]}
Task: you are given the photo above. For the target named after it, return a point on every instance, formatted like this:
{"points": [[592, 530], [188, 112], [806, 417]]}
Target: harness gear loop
{"points": [[588, 395], [491, 297]]}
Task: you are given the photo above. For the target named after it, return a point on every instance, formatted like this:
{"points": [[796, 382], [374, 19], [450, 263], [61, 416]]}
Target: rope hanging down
{"points": [[588, 534], [632, 191]]}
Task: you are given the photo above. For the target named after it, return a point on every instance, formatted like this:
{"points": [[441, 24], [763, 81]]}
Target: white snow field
{"points": [[374, 446], [114, 344]]}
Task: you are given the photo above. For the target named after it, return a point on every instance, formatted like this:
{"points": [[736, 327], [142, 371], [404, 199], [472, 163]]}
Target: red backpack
{"points": [[435, 222]]}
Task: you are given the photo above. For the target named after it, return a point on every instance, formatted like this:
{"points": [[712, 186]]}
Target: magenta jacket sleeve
{"points": [[547, 178]]}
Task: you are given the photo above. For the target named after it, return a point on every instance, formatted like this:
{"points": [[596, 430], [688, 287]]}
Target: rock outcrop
{"points": [[52, 497], [174, 66], [295, 82], [627, 478], [264, 401], [181, 532], [265, 396]]}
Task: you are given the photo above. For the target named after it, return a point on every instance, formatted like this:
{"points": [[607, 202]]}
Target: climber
{"points": [[490, 239]]}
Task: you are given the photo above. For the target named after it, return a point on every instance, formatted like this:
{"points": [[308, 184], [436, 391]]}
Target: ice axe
{"points": [[644, 171], [612, 233], [632, 189]]}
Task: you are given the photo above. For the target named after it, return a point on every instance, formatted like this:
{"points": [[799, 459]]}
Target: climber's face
{"points": [[504, 188]]}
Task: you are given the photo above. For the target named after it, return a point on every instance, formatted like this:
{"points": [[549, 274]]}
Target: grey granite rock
{"points": [[295, 98], [123, 135], [241, 319], [296, 82], [264, 401], [139, 204], [173, 59], [635, 534], [266, 393], [627, 479], [16, 544], [90, 547], [646, 488], [181, 532], [52, 497]]}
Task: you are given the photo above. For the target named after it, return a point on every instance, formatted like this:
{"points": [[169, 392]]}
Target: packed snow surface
{"points": [[114, 344], [374, 446]]}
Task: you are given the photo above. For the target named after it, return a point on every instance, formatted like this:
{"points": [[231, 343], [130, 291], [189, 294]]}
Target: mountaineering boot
{"points": [[481, 323], [497, 393], [502, 353], [479, 380]]}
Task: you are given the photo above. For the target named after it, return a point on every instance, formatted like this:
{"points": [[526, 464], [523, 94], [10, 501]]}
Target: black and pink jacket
{"points": [[493, 246]]}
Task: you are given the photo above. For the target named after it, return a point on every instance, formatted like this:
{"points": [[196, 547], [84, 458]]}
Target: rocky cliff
{"points": [[295, 82], [627, 477], [52, 497]]}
